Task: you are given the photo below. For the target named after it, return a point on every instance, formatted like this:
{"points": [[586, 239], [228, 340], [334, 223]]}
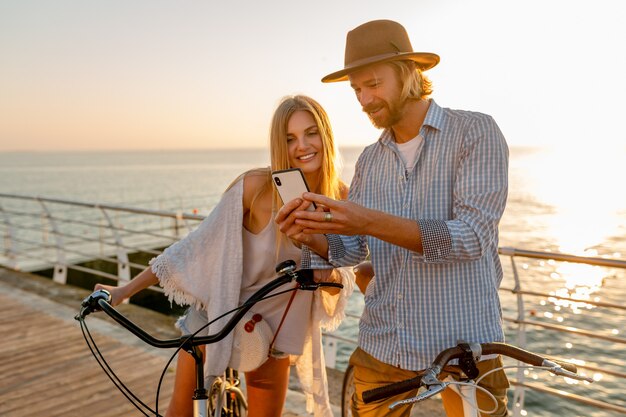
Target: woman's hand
{"points": [[118, 294], [286, 220], [143, 280]]}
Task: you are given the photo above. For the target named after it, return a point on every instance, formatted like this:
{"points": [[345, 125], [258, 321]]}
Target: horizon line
{"points": [[250, 148]]}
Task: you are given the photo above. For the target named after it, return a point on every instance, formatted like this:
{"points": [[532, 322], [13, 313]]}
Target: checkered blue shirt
{"points": [[419, 304]]}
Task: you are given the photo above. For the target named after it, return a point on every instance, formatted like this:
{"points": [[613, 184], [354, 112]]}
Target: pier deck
{"points": [[47, 370]]}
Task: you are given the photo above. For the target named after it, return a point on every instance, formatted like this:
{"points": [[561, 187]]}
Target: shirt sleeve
{"points": [[311, 260], [436, 239], [338, 255], [480, 194]]}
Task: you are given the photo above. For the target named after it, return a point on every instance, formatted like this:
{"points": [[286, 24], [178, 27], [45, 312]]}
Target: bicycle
{"points": [[225, 397], [468, 355]]}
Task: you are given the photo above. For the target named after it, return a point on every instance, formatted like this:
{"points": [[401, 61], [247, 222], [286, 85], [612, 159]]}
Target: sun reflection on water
{"points": [[580, 282], [580, 190], [571, 201]]}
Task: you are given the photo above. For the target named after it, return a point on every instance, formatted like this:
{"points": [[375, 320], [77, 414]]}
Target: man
{"points": [[425, 203]]}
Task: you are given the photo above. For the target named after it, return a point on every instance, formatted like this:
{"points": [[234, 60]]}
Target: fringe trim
{"points": [[160, 267], [333, 309]]}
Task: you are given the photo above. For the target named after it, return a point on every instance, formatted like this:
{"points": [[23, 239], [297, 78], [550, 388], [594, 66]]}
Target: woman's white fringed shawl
{"points": [[205, 269]]}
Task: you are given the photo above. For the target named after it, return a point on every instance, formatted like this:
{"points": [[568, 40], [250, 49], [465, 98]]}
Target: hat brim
{"points": [[424, 60]]}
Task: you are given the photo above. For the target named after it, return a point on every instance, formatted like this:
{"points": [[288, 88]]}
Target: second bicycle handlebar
{"points": [[429, 376]]}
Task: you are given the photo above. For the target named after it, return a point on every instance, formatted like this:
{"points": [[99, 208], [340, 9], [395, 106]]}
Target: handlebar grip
{"points": [[392, 389], [90, 303]]}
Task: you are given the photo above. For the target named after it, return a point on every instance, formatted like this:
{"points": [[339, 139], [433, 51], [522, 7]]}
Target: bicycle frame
{"points": [[224, 388], [100, 300]]}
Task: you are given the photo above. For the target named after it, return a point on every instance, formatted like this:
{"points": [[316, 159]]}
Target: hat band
{"points": [[376, 58]]}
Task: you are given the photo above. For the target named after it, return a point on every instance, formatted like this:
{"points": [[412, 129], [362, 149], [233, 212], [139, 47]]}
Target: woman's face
{"points": [[304, 142]]}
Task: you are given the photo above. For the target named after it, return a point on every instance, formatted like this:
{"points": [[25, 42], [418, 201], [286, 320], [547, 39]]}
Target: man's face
{"points": [[378, 89]]}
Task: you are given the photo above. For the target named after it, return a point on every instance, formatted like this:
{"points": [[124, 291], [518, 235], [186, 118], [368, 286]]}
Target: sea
{"points": [[571, 200]]}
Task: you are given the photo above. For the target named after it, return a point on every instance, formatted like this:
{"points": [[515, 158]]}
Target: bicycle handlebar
{"points": [[100, 300], [429, 377]]}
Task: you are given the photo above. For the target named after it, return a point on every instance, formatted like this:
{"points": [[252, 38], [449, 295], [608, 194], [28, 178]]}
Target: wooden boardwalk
{"points": [[46, 369]]}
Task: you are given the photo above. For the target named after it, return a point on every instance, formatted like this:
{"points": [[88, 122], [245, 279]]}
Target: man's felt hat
{"points": [[376, 42]]}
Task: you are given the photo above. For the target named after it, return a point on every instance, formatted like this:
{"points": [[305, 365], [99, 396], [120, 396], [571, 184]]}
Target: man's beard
{"points": [[394, 113]]}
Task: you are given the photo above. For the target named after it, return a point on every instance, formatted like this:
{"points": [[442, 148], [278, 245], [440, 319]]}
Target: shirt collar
{"points": [[435, 118]]}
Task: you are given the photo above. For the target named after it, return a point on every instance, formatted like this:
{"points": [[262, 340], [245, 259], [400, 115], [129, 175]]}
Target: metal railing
{"points": [[522, 322], [41, 233], [48, 233]]}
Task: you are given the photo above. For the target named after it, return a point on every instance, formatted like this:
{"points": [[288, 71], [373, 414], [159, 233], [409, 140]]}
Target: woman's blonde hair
{"points": [[415, 85]]}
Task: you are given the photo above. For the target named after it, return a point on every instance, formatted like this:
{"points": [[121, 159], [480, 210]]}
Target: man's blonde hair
{"points": [[415, 85]]}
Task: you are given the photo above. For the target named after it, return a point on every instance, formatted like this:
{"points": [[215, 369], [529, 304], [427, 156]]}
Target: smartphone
{"points": [[290, 184]]}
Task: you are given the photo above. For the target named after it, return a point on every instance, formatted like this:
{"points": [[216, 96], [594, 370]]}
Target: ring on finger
{"points": [[328, 216]]}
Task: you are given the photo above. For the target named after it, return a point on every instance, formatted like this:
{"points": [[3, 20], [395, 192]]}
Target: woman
{"points": [[234, 252]]}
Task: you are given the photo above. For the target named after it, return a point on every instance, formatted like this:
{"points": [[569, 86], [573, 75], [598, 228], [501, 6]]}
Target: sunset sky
{"points": [[92, 75]]}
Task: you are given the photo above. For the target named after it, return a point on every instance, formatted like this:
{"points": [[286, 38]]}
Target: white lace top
{"points": [[259, 263]]}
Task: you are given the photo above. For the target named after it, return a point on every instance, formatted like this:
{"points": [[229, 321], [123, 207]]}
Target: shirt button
{"points": [[399, 296]]}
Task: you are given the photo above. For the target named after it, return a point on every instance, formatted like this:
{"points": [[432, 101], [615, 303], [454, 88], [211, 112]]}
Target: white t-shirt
{"points": [[408, 150]]}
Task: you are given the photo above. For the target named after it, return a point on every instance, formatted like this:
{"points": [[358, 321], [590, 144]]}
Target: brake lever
{"points": [[433, 387], [430, 391], [556, 369]]}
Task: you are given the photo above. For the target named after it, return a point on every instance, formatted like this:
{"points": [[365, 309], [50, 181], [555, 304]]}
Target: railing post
{"points": [[9, 253], [177, 220], [123, 265], [101, 237], [60, 268], [519, 392]]}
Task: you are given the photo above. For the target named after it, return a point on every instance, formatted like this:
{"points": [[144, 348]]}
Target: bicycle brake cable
{"points": [[117, 382], [191, 336], [110, 373]]}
